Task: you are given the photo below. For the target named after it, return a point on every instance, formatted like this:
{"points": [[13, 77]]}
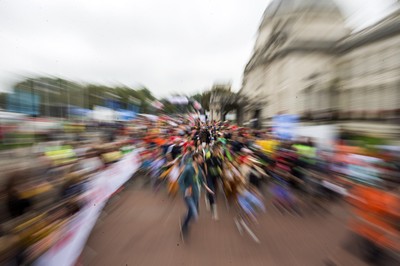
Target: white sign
{"points": [[103, 114], [323, 135], [231, 116]]}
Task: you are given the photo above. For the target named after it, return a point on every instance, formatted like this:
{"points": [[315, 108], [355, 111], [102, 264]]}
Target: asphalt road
{"points": [[140, 227]]}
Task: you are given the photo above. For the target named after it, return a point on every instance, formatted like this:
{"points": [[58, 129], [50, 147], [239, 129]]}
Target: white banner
{"points": [[324, 136], [68, 248]]}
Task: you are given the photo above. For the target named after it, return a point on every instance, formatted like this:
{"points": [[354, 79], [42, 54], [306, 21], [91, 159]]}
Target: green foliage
{"points": [[169, 108], [61, 93], [203, 98]]}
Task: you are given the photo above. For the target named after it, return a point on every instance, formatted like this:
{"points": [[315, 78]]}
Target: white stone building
{"points": [[306, 62]]}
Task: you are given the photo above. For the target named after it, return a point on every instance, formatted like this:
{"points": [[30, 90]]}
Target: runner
{"points": [[189, 182], [213, 171]]}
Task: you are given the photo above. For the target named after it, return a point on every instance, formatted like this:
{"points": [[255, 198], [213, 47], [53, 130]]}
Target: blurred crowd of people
{"points": [[46, 188], [240, 168], [248, 167]]}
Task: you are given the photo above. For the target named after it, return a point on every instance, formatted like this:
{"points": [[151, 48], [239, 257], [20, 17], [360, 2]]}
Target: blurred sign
{"points": [[284, 126], [11, 116], [23, 102], [103, 114], [113, 104], [324, 136], [231, 116], [125, 115], [77, 111]]}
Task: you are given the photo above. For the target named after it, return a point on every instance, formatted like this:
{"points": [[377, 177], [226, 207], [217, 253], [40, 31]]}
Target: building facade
{"points": [[306, 62]]}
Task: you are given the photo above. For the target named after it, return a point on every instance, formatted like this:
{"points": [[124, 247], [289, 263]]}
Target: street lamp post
{"points": [[48, 103], [68, 102], [61, 107]]}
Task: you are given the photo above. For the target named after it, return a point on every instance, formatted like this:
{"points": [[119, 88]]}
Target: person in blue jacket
{"points": [[190, 181]]}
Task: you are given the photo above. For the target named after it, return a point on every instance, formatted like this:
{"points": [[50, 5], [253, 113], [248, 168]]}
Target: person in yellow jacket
{"points": [[173, 174]]}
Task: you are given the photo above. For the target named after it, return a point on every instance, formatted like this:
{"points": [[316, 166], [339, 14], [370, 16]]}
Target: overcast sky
{"points": [[169, 46]]}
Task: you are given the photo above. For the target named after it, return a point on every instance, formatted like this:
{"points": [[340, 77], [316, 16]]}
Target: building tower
{"points": [[291, 69]]}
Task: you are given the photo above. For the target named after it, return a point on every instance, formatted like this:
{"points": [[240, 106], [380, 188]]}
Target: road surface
{"points": [[140, 227]]}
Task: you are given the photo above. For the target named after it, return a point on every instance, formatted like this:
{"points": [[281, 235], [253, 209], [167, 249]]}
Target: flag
{"points": [[197, 105], [157, 105]]}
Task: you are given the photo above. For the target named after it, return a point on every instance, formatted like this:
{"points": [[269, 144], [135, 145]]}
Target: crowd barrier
{"points": [[66, 249]]}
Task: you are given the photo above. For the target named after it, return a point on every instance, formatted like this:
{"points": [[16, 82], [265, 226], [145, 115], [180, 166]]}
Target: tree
{"points": [[146, 94], [203, 98], [169, 108], [96, 94], [197, 97]]}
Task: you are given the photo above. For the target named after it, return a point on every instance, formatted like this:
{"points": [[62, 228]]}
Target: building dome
{"points": [[280, 7]]}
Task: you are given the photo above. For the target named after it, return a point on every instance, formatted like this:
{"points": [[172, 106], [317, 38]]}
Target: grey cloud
{"points": [[169, 46]]}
